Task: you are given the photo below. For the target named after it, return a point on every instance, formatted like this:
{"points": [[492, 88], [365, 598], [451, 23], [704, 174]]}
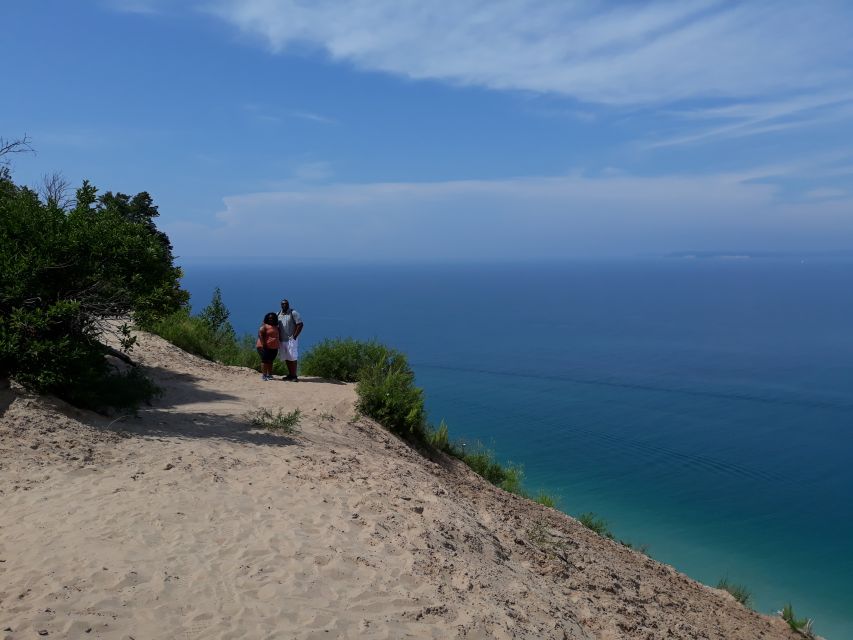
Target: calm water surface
{"points": [[704, 408]]}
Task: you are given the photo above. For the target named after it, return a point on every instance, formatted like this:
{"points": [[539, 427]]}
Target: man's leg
{"points": [[291, 368]]}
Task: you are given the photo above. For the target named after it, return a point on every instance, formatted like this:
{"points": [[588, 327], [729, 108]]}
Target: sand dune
{"points": [[185, 522]]}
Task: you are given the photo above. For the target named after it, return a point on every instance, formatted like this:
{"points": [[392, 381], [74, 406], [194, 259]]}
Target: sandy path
{"points": [[184, 522]]}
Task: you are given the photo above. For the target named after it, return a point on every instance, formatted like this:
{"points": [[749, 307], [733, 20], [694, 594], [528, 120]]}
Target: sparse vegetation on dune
{"points": [[284, 422], [801, 625], [738, 591], [594, 523]]}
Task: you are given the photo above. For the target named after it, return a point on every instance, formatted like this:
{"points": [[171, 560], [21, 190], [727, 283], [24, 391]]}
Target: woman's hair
{"points": [[271, 319]]}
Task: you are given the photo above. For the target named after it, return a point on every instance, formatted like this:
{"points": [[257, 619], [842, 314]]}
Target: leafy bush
{"points": [[738, 591], [593, 522], [279, 421], [387, 393], [62, 273], [342, 358]]}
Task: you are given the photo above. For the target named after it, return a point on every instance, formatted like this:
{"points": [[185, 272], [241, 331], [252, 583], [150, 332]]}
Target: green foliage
{"points": [[738, 591], [387, 393], [279, 421], [593, 522], [62, 272], [216, 315], [483, 462], [440, 438], [803, 625], [546, 500], [342, 358]]}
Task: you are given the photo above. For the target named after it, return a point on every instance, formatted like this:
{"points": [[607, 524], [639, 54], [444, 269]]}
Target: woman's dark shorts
{"points": [[267, 355]]}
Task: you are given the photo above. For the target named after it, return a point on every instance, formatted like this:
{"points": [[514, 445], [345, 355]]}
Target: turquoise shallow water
{"points": [[703, 408]]}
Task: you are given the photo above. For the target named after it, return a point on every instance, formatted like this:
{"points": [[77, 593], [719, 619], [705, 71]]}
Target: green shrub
{"points": [[803, 625], [738, 591], [62, 273], [387, 393], [593, 522], [190, 333], [483, 462], [342, 358], [440, 438], [279, 421]]}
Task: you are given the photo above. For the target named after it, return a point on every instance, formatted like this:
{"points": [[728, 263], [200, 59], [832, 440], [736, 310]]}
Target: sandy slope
{"points": [[184, 522]]}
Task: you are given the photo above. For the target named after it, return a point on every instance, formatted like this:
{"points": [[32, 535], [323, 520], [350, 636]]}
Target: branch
{"points": [[21, 145], [120, 355]]}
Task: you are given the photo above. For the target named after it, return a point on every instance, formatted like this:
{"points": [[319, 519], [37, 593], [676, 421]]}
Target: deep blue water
{"points": [[704, 408]]}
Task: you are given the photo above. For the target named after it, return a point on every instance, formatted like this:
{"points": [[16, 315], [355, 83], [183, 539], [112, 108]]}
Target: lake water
{"points": [[702, 407]]}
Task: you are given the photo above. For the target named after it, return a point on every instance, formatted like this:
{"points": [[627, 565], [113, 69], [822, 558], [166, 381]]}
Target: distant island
{"points": [[748, 255]]}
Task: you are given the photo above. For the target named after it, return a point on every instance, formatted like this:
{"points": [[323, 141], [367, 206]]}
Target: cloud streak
{"points": [[522, 218], [599, 52]]}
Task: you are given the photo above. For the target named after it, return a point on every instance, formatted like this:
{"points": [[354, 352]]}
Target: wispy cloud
{"points": [[760, 117], [568, 216], [594, 51], [312, 117], [273, 115], [149, 7], [825, 193]]}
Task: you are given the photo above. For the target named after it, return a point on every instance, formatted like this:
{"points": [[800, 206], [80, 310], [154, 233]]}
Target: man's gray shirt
{"points": [[287, 324]]}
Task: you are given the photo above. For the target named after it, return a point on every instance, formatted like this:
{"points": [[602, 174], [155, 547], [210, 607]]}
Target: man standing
{"points": [[289, 328]]}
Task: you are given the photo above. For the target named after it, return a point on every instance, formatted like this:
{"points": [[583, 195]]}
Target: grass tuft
{"points": [[738, 591], [591, 521], [546, 500], [279, 421], [802, 625]]}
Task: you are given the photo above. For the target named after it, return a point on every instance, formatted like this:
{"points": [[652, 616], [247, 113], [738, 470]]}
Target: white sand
{"points": [[184, 522]]}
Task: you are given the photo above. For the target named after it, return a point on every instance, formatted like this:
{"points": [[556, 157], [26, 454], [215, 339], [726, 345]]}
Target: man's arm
{"points": [[298, 326]]}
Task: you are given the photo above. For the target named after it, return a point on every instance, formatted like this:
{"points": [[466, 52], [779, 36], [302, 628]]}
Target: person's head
{"points": [[271, 318], [285, 305]]}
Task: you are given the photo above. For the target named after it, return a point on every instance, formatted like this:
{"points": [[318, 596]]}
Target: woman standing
{"points": [[267, 344]]}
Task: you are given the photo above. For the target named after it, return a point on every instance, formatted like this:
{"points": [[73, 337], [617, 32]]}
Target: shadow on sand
{"points": [[166, 416]]}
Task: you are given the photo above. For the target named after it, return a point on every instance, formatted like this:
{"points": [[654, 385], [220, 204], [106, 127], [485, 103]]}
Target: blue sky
{"points": [[466, 130]]}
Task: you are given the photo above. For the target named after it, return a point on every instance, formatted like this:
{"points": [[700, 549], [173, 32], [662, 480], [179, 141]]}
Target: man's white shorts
{"points": [[289, 350]]}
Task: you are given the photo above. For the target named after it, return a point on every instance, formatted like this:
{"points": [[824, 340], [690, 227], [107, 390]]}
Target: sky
{"points": [[464, 130]]}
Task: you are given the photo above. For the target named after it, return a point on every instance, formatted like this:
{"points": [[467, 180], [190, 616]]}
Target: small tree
{"points": [[216, 314]]}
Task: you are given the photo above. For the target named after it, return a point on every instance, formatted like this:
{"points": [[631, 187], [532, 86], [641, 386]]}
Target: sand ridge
{"points": [[185, 522]]}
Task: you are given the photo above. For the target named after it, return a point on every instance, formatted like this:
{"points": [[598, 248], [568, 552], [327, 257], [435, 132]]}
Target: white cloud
{"points": [[273, 115], [601, 52], [747, 119], [311, 117], [523, 218]]}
